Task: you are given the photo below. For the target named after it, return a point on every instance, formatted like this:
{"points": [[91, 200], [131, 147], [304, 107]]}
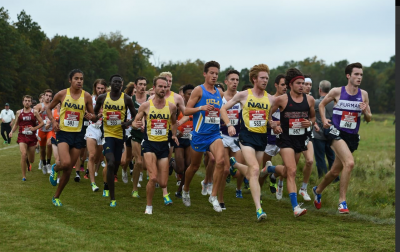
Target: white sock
{"points": [[280, 183], [304, 186], [149, 207]]}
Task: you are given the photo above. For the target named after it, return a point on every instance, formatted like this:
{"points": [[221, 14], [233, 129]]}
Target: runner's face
{"points": [[160, 88], [262, 80], [307, 87], [187, 94], [232, 82], [355, 77], [211, 76], [47, 97], [281, 87], [116, 83], [169, 82], [151, 93], [298, 86], [27, 103], [100, 89], [77, 81], [141, 86]]}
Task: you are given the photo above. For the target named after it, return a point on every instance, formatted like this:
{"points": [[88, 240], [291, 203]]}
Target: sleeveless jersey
{"points": [[270, 133], [187, 127], [99, 122], [255, 113], [235, 117], [207, 122], [292, 116], [25, 121], [72, 112], [136, 105], [56, 115], [157, 123], [171, 98], [347, 113], [114, 114], [45, 117]]}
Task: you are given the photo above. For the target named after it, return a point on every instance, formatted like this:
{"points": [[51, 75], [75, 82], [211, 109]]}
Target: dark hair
{"points": [[211, 64], [247, 86], [129, 88], [140, 78], [290, 74], [278, 78], [232, 71], [41, 95], [158, 78], [98, 81], [219, 85], [116, 75], [307, 76], [48, 91], [73, 72], [26, 96], [187, 87], [349, 68]]}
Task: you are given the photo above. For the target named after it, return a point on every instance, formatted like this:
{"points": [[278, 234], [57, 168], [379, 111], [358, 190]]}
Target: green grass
{"points": [[29, 221]]}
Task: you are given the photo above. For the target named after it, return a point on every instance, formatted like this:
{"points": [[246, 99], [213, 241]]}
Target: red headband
{"points": [[297, 77]]}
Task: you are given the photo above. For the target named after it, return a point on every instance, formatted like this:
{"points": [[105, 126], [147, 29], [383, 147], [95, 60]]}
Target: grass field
{"points": [[29, 221]]}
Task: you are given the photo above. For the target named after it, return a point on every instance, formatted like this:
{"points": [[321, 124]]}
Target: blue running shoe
{"points": [[343, 208], [232, 171], [56, 201], [228, 179], [317, 198], [232, 160], [167, 200], [53, 176], [261, 215], [239, 194], [106, 193], [113, 203], [23, 179], [246, 183]]}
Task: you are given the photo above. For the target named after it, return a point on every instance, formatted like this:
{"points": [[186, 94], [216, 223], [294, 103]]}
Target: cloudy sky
{"points": [[232, 32]]}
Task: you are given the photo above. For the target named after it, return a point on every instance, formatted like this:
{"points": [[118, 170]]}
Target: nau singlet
{"points": [[157, 123], [72, 112], [114, 114], [255, 113]]}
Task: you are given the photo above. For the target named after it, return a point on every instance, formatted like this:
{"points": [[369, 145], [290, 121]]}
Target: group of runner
{"points": [[234, 132]]}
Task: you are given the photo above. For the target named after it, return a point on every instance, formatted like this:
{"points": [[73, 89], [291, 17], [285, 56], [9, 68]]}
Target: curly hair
{"points": [[256, 69], [290, 74], [211, 64]]}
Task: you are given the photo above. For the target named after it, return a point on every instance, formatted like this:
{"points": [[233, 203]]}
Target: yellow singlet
{"points": [[255, 113], [171, 98], [158, 123], [114, 113], [72, 112]]}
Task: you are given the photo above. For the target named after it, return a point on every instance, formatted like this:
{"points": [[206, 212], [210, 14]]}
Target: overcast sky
{"points": [[237, 33]]}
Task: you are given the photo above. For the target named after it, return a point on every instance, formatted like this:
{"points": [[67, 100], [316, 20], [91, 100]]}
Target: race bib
{"points": [[159, 127], [295, 128], [113, 118], [349, 120], [212, 117], [26, 131], [334, 131], [233, 116], [86, 123], [187, 129], [257, 118], [71, 119]]}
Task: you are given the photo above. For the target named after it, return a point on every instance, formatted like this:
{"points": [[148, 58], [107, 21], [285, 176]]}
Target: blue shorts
{"points": [[201, 143], [73, 139], [113, 145]]}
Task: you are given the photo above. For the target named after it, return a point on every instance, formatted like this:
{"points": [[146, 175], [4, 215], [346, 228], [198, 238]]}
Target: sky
{"points": [[234, 33]]}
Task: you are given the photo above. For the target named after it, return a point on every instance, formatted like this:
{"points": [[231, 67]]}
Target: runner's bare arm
{"points": [[174, 126], [331, 96], [137, 123], [14, 128], [238, 97], [130, 106], [56, 100], [39, 119], [194, 98], [364, 106], [99, 104], [89, 106], [311, 117], [275, 125]]}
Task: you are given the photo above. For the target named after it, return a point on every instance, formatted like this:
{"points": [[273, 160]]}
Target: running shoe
{"points": [[209, 188], [95, 188], [53, 176], [135, 194], [246, 183], [167, 200], [138, 184], [272, 184], [149, 210], [86, 176], [5, 142], [261, 215], [82, 168], [178, 195], [23, 179], [103, 164], [106, 193], [232, 171], [317, 198], [279, 193], [343, 208], [29, 167], [186, 198], [124, 176], [131, 171], [141, 177], [77, 177], [115, 178], [232, 161], [222, 205], [228, 179], [264, 171], [305, 195], [58, 180], [298, 211], [87, 159], [40, 165], [214, 201], [203, 188], [95, 174], [113, 203], [178, 183], [44, 169], [48, 168], [56, 201], [239, 194]]}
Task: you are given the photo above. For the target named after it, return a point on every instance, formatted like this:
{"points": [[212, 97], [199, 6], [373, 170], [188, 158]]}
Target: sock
{"points": [[304, 186], [130, 166], [271, 169], [149, 207], [280, 183], [87, 171], [105, 186], [44, 162], [273, 176], [293, 199], [77, 173], [48, 161]]}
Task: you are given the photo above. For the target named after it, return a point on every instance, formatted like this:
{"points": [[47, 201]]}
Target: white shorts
{"points": [[272, 150], [229, 141], [94, 133]]}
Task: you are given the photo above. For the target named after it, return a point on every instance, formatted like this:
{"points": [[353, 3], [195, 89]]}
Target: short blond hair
{"points": [[165, 74], [256, 69]]}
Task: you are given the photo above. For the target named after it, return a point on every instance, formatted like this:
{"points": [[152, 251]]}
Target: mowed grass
{"points": [[29, 221]]}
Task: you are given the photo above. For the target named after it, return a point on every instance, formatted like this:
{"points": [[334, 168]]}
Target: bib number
{"points": [[71, 119], [295, 128], [158, 127], [113, 118], [187, 132], [27, 131], [212, 117], [257, 118], [349, 120], [233, 116], [334, 131]]}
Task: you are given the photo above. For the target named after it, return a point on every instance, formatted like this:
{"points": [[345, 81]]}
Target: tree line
{"points": [[32, 62]]}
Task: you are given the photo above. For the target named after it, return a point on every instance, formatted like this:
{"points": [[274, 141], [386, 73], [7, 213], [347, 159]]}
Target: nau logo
{"points": [[257, 105], [67, 99], [251, 99], [152, 111], [158, 116], [107, 102], [74, 106], [114, 107]]}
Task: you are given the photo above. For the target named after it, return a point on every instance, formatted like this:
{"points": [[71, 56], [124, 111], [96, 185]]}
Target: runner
{"points": [[253, 138], [159, 115], [115, 104], [204, 104], [26, 121], [56, 116], [350, 103], [74, 102]]}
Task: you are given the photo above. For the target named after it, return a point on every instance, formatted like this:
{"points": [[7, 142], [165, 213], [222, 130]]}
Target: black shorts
{"points": [[73, 139], [351, 140], [161, 149], [128, 142], [258, 141], [297, 143], [137, 136], [170, 141], [114, 145], [53, 141], [183, 143]]}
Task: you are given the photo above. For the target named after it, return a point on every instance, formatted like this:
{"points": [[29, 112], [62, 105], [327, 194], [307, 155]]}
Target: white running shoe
{"points": [[124, 176], [44, 169], [279, 193], [141, 177], [87, 159], [40, 165], [214, 201], [58, 180], [186, 198], [139, 185], [178, 183], [95, 174], [103, 164], [209, 188], [203, 188], [305, 195], [298, 211], [264, 171], [149, 210], [48, 168]]}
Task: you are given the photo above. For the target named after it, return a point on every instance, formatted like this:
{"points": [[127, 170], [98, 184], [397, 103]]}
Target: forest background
{"points": [[31, 62]]}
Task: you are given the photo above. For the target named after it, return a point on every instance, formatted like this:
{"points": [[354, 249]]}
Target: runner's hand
{"points": [[207, 107], [277, 130], [316, 127], [176, 140], [326, 123], [306, 123], [31, 128], [137, 124], [231, 131], [363, 106], [56, 127]]}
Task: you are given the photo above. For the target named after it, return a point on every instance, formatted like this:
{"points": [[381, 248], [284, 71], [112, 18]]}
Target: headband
{"points": [[307, 80], [297, 77]]}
